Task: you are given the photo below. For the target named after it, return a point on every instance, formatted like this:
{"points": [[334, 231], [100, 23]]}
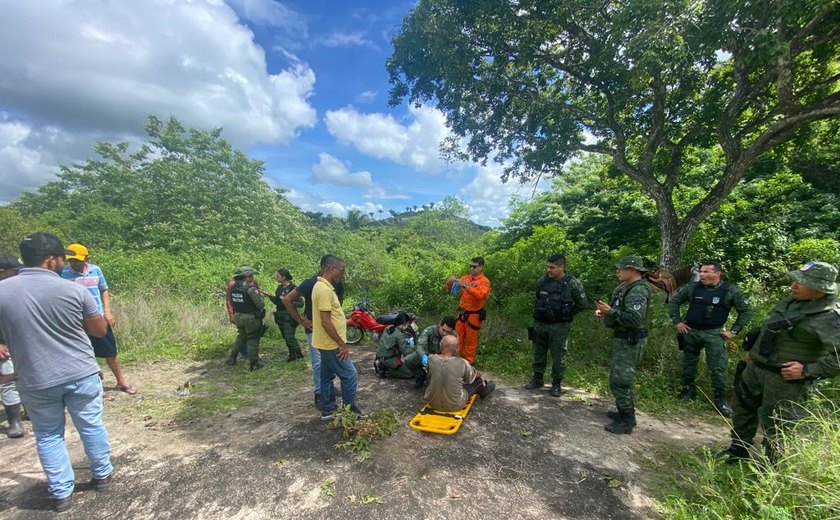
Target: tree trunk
{"points": [[672, 242]]}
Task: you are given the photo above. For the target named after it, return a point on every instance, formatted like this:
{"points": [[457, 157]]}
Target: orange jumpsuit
{"points": [[474, 292]]}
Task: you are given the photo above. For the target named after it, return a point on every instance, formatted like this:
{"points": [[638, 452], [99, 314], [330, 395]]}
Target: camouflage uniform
{"points": [[550, 332], [707, 334], [811, 336], [397, 356], [249, 309], [429, 342], [628, 318]]}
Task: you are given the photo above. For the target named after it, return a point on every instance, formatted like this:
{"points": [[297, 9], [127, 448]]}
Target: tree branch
{"points": [[657, 124]]}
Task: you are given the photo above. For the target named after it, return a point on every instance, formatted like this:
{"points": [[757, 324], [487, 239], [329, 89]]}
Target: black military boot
{"points": [[720, 404], [624, 424], [689, 392], [256, 365], [231, 360], [556, 390], [379, 369], [419, 381], [734, 453], [13, 416], [536, 383], [488, 389]]}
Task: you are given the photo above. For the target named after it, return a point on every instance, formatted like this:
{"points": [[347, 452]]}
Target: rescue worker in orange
{"points": [[474, 288]]}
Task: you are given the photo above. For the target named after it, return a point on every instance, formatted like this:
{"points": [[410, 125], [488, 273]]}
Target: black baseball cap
{"points": [[9, 262], [43, 244]]}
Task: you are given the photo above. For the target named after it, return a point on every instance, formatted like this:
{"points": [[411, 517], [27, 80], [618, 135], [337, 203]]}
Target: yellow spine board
{"points": [[444, 423]]}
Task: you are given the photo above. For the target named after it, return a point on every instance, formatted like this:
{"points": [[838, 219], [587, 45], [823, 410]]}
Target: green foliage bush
{"points": [[803, 484]]}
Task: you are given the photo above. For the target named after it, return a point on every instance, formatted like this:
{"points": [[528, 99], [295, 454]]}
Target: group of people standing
{"points": [[798, 343], [55, 319], [323, 321]]}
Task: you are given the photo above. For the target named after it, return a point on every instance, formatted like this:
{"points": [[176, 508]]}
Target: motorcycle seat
{"points": [[389, 317]]}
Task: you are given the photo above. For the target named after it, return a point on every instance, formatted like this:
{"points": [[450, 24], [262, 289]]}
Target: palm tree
{"points": [[356, 219]]}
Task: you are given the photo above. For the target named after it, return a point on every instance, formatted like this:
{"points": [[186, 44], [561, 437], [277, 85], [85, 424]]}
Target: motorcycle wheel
{"points": [[354, 334]]}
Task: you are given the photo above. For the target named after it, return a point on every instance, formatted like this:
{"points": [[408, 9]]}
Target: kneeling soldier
{"points": [[397, 358]]}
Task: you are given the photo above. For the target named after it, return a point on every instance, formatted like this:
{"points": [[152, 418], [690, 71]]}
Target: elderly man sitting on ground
{"points": [[452, 380]]}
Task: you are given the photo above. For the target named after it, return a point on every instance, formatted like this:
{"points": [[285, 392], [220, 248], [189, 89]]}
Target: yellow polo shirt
{"points": [[325, 299]]}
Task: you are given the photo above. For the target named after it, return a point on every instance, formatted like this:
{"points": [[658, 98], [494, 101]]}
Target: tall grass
{"points": [[160, 324], [804, 483]]}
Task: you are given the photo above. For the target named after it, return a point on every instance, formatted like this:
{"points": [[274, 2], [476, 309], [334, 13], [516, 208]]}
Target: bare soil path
{"points": [[518, 455]]}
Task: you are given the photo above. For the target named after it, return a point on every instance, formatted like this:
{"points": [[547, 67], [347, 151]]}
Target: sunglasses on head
{"points": [[474, 266]]}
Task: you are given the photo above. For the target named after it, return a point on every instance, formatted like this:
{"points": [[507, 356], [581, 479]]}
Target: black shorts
{"points": [[106, 346]]}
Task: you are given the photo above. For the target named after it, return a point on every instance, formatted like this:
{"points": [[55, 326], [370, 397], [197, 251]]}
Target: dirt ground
{"points": [[519, 454]]}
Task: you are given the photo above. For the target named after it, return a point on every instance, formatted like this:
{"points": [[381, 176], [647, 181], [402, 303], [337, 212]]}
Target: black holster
{"points": [[681, 341], [768, 343], [749, 339], [530, 333]]}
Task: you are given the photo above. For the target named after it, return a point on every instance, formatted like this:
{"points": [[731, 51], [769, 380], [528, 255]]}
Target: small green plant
{"points": [[327, 487], [360, 432], [372, 499]]}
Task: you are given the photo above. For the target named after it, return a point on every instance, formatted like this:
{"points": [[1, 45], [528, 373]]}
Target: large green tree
{"points": [[184, 189], [531, 83]]}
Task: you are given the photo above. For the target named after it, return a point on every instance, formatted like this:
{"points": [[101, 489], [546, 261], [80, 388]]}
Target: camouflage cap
{"points": [[819, 276], [635, 262], [244, 270]]}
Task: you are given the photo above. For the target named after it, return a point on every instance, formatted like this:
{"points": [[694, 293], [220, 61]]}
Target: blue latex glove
{"points": [[410, 342], [425, 360], [456, 288]]}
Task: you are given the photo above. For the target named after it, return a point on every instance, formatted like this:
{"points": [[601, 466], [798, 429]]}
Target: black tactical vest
{"points": [[552, 305], [708, 308], [241, 300]]}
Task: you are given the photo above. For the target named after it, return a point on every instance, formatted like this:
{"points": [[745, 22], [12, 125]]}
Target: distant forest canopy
{"points": [[186, 208]]}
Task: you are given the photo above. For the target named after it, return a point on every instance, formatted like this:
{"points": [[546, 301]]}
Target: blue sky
{"points": [[300, 85]]}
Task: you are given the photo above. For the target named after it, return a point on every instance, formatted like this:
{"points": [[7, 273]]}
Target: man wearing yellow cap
{"points": [[90, 276]]}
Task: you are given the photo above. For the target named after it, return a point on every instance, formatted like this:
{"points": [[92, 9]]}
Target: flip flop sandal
{"points": [[129, 389]]}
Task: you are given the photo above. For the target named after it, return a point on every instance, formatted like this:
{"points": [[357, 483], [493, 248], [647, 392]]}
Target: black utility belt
{"points": [[553, 322], [630, 334], [256, 314], [698, 326]]}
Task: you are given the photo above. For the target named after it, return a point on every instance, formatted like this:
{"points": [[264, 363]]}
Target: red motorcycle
{"points": [[362, 319]]}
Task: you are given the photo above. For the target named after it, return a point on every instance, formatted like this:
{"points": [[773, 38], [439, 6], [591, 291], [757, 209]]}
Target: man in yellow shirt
{"points": [[329, 336]]}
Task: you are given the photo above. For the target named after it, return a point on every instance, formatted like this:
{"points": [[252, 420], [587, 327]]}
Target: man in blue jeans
{"points": [[45, 321], [329, 336], [305, 290]]}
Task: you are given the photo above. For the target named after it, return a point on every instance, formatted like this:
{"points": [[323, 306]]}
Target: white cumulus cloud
{"points": [[331, 170], [99, 68], [487, 196], [308, 202], [30, 154], [415, 144]]}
